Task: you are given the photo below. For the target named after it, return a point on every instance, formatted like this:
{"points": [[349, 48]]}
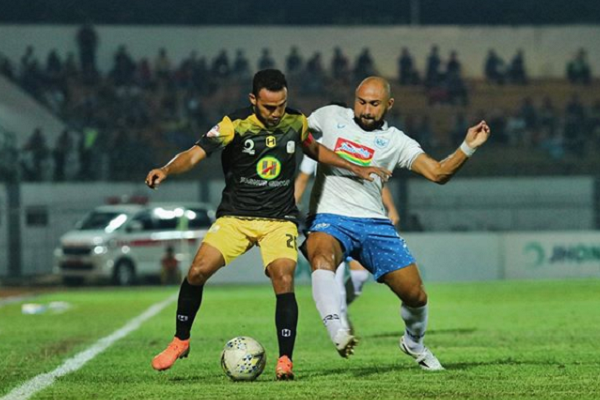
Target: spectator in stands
{"points": [[6, 67], [36, 155], [578, 69], [27, 60], [241, 66], [516, 132], [293, 62], [266, 61], [548, 119], [143, 74], [87, 42], [424, 133], [365, 66], [53, 67], [454, 83], [123, 67], [516, 70], [497, 120], [162, 65], [340, 66], [315, 75], [407, 74], [458, 130], [70, 66], [494, 69], [433, 74], [61, 152], [87, 144], [575, 124], [529, 114], [594, 125]]}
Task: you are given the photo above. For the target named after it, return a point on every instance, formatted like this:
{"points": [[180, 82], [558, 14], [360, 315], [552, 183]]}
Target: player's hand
{"points": [[367, 173], [155, 177], [478, 135], [394, 217]]}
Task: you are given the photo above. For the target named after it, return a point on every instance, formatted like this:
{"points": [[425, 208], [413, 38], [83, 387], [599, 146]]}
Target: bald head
{"points": [[375, 86], [373, 99]]}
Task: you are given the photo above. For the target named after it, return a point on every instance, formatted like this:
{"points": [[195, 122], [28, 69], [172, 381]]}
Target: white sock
{"points": [[340, 280], [327, 299], [415, 320], [359, 278]]}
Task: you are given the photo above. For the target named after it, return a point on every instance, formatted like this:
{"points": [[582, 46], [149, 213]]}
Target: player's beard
{"points": [[367, 123]]}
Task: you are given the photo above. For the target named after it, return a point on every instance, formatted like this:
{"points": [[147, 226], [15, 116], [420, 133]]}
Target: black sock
{"points": [[190, 298], [286, 321]]}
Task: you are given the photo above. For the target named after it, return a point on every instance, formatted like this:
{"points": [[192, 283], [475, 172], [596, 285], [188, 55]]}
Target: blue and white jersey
{"points": [[337, 191]]}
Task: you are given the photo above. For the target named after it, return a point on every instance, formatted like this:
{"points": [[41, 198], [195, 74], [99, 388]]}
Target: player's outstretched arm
{"points": [[182, 162], [300, 185], [441, 171], [322, 154], [388, 203]]}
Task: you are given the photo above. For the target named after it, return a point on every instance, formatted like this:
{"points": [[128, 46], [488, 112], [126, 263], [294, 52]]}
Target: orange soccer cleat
{"points": [[177, 349], [284, 369]]}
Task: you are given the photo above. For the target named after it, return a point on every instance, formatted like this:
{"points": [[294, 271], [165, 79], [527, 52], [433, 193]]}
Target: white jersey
{"points": [[338, 191]]}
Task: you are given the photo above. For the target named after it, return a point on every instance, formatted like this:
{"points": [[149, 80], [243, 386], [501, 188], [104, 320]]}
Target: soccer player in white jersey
{"points": [[351, 288], [347, 217]]}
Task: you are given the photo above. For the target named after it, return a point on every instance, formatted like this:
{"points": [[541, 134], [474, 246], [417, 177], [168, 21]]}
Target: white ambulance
{"points": [[126, 242]]}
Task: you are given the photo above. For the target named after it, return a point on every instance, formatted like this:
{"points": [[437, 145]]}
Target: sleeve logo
{"points": [[214, 132]]}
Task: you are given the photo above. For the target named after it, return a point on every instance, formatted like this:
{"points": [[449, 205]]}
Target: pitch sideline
{"points": [[42, 381]]}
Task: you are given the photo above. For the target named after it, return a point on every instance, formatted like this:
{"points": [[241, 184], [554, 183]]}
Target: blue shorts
{"points": [[372, 241]]}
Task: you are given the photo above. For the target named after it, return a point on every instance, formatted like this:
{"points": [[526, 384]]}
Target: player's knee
{"points": [[196, 275], [416, 297], [283, 282], [322, 261]]}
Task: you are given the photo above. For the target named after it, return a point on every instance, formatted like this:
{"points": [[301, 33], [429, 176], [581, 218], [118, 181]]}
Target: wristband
{"points": [[468, 150]]}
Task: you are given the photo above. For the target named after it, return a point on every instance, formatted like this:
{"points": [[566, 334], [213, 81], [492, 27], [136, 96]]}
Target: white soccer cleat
{"points": [[344, 342], [426, 360]]}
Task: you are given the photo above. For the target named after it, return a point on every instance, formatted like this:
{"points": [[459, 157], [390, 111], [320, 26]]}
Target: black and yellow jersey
{"points": [[259, 163]]}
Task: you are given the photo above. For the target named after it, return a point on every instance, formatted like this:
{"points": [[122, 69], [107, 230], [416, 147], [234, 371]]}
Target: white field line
{"points": [[42, 381]]}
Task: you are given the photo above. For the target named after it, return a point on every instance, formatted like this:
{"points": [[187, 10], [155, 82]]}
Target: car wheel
{"points": [[124, 273]]}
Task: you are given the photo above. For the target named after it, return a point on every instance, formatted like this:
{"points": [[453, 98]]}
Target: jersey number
{"points": [[291, 242], [249, 147]]}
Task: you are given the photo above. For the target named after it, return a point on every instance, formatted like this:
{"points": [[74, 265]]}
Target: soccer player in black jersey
{"points": [[257, 208]]}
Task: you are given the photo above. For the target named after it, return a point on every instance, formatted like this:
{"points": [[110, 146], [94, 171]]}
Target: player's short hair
{"points": [[270, 79]]}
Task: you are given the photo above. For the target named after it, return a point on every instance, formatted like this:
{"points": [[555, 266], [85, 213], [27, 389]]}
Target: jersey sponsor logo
{"points": [[290, 147], [271, 141], [268, 168], [354, 152], [382, 142], [214, 132]]}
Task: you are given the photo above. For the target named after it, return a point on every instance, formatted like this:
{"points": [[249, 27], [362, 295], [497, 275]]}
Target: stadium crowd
{"points": [[123, 121]]}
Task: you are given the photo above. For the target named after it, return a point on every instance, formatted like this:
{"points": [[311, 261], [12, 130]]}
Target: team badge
{"points": [[382, 142], [214, 132], [271, 141], [268, 168], [354, 152]]}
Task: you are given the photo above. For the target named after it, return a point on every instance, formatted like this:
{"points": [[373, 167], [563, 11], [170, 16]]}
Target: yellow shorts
{"points": [[233, 236]]}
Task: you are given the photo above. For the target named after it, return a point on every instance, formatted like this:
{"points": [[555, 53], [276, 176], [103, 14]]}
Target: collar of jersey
{"points": [[258, 122]]}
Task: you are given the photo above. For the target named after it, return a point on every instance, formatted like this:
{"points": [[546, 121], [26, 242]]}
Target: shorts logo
{"points": [[271, 141], [381, 142], [354, 152], [214, 132], [322, 225], [268, 168]]}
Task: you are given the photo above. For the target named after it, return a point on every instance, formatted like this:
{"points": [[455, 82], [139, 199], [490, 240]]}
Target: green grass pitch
{"points": [[498, 340]]}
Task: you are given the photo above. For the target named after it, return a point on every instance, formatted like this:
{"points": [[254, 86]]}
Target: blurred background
{"points": [[94, 94]]}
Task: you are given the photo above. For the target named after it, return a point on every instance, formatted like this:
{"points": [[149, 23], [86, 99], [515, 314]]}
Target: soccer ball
{"points": [[243, 359]]}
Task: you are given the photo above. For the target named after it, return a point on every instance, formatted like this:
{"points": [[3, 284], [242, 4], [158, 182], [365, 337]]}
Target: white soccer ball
{"points": [[243, 359]]}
